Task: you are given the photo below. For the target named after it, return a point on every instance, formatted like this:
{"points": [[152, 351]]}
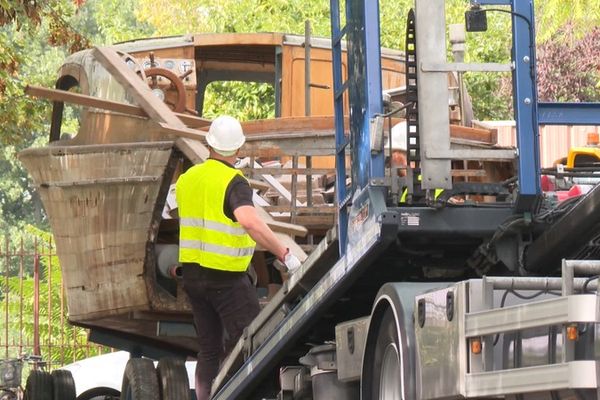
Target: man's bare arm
{"points": [[259, 231]]}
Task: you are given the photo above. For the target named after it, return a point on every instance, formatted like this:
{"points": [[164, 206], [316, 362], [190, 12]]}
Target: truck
{"points": [[494, 296]]}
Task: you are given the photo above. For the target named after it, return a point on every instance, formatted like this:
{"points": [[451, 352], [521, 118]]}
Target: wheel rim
{"points": [[389, 388]]}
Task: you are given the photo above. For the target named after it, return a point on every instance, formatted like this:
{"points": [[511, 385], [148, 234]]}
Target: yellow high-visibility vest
{"points": [[206, 235]]}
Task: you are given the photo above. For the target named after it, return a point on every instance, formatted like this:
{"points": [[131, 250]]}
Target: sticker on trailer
{"points": [[359, 219], [410, 219]]}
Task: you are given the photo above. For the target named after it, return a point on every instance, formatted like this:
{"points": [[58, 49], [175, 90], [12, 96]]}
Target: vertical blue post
{"points": [[525, 103], [364, 94], [525, 99], [364, 73], [341, 142], [374, 76]]}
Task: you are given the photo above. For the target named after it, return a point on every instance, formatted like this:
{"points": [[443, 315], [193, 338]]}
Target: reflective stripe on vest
{"points": [[206, 235], [215, 226], [215, 248]]}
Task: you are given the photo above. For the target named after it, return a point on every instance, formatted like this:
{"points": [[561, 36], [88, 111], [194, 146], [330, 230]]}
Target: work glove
{"points": [[290, 263]]}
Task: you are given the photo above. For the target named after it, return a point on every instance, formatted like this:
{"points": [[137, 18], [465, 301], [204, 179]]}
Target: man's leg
{"points": [[237, 307], [210, 337]]}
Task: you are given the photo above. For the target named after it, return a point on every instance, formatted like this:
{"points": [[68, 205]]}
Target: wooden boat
{"points": [[105, 188]]}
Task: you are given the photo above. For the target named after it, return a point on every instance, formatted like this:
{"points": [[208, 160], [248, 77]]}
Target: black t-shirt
{"points": [[237, 194]]}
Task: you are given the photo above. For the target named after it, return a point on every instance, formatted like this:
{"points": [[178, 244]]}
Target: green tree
{"points": [[553, 15], [111, 21], [34, 50], [35, 38], [30, 35], [19, 202], [226, 97], [179, 17]]}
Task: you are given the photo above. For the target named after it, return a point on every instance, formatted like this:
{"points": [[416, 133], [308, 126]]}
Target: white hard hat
{"points": [[225, 135], [398, 137]]}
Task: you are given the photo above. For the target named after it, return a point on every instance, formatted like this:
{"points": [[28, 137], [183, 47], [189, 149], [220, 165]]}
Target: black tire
{"points": [[140, 381], [38, 386], [173, 379], [100, 393], [382, 367], [63, 385]]}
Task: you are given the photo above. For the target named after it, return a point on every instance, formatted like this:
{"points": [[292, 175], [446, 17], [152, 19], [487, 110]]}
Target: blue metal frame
{"points": [[569, 113], [529, 114], [364, 88], [364, 73], [339, 88], [525, 98], [364, 91]]}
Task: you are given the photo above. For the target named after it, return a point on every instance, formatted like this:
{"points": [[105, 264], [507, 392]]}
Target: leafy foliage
{"points": [[19, 202], [490, 93], [35, 37], [180, 16], [111, 21], [24, 122], [569, 67], [19, 12], [27, 30], [225, 97], [553, 15], [20, 116]]}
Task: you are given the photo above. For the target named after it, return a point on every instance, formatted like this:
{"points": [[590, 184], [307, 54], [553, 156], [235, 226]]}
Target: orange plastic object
{"points": [[476, 346]]}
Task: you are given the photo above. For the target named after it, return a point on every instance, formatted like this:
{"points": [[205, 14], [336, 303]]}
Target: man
{"points": [[219, 228]]}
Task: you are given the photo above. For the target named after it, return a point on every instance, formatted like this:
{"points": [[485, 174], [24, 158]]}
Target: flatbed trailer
{"points": [[394, 331], [396, 301]]}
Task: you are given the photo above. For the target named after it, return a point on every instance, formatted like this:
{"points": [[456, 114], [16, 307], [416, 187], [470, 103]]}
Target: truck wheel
{"points": [[100, 393], [63, 384], [173, 379], [38, 386], [139, 380], [382, 370]]}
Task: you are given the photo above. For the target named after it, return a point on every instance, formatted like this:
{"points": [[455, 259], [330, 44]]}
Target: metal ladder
{"points": [[340, 86]]}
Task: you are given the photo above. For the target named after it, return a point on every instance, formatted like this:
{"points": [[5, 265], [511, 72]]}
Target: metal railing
{"points": [[33, 305]]}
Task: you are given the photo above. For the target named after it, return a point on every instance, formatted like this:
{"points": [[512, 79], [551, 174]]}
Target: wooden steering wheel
{"points": [[175, 82]]}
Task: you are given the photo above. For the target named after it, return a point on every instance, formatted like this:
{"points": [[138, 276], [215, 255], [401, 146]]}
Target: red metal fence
{"points": [[33, 306]]}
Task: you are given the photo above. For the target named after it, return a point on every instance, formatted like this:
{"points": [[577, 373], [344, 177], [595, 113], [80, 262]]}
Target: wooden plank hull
{"points": [[102, 201]]}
